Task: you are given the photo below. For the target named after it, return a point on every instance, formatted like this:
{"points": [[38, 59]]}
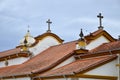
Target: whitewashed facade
{"points": [[44, 44], [100, 40]]}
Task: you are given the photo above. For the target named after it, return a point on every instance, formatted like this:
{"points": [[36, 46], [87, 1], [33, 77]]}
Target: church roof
{"points": [[9, 52], [54, 55], [13, 53], [79, 66], [43, 61], [98, 33], [39, 37]]}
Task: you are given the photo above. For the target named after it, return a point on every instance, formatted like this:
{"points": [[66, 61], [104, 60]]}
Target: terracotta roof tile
{"points": [[93, 34], [13, 53], [47, 59], [9, 52], [79, 66], [4, 70], [44, 61], [98, 33]]}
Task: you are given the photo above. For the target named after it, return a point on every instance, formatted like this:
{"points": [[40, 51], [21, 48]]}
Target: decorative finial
{"points": [[81, 34], [100, 19], [25, 46], [49, 22], [81, 41]]}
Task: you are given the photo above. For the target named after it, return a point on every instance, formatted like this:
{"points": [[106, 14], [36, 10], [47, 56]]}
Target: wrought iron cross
{"points": [[49, 22], [100, 19]]}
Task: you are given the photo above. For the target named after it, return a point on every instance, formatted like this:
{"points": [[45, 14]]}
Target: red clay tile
{"points": [[43, 61], [78, 66]]}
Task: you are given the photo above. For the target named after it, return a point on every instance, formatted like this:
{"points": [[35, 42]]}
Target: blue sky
{"points": [[67, 16]]}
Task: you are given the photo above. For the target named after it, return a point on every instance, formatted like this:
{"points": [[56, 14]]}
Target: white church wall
{"points": [[108, 69], [44, 44], [89, 79], [14, 61], [2, 64], [97, 42], [69, 60]]}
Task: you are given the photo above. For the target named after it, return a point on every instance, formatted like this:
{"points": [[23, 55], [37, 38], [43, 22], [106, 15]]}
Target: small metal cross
{"points": [[49, 22], [100, 19]]}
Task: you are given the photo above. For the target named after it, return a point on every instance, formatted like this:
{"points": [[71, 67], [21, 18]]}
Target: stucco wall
{"points": [[97, 42], [69, 60], [44, 44], [108, 69], [14, 61]]}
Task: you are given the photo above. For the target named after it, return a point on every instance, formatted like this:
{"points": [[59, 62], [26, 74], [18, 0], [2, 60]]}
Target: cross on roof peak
{"points": [[100, 19], [49, 22]]}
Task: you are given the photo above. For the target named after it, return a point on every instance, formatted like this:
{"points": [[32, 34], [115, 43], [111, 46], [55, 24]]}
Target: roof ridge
{"points": [[94, 32], [97, 57]]}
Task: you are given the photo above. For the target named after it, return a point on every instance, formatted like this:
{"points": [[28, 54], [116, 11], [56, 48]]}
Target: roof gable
{"points": [[98, 33], [44, 35], [13, 53], [40, 37]]}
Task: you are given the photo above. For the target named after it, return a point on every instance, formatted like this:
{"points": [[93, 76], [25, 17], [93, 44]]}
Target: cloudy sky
{"points": [[67, 16]]}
